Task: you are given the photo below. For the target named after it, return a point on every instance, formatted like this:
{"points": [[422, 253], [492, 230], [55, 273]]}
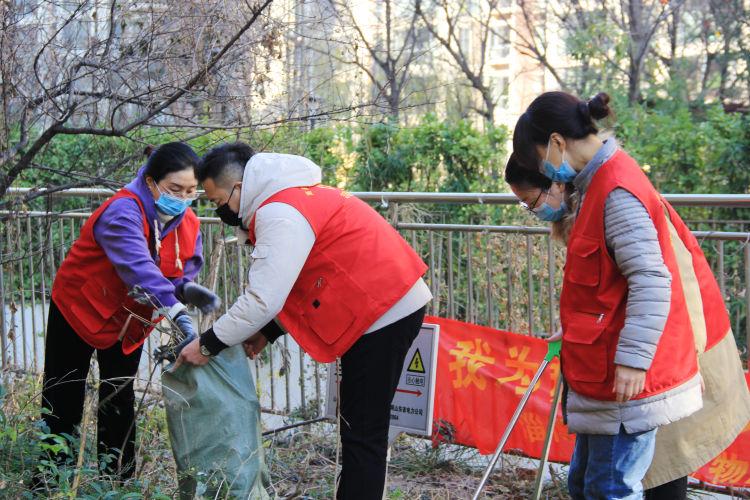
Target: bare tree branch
{"points": [[474, 73], [71, 84]]}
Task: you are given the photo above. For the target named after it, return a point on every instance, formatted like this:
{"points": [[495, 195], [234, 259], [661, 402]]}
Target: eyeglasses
{"points": [[179, 194], [532, 206]]}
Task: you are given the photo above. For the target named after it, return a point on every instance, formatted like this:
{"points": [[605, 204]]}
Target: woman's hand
{"points": [[555, 336], [254, 345], [200, 297], [629, 382]]}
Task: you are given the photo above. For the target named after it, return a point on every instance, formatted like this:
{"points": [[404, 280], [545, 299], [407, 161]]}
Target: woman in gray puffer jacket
{"points": [[637, 241]]}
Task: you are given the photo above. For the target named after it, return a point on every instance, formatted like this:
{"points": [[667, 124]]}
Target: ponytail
{"points": [[558, 112]]}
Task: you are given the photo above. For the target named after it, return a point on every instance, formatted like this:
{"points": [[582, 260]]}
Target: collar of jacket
{"points": [[268, 173], [583, 179]]}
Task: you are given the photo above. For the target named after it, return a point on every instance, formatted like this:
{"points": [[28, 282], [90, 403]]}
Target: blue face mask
{"points": [[169, 204], [563, 173], [549, 214]]}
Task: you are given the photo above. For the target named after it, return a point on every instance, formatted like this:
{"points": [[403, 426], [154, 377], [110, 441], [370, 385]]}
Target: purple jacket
{"points": [[119, 231]]}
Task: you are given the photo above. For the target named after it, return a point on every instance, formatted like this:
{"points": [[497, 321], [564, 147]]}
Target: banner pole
{"points": [[553, 350], [548, 440]]}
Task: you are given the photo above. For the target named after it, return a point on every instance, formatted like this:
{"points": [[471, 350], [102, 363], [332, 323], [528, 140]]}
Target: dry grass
{"points": [[302, 466], [302, 461]]}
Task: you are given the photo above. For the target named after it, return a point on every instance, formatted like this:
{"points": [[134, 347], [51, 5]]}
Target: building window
{"points": [[500, 42], [421, 38], [500, 87], [464, 40], [75, 34]]}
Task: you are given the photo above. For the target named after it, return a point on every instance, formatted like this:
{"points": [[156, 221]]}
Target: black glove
{"points": [[200, 297]]}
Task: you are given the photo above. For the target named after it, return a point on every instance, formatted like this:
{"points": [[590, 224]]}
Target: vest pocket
{"points": [[324, 308], [584, 349], [100, 302], [582, 262]]}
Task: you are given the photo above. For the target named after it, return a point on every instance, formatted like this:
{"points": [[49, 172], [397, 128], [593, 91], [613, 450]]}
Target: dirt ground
{"points": [[302, 466]]}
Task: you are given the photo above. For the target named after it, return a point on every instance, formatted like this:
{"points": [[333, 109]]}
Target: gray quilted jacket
{"points": [[632, 241]]}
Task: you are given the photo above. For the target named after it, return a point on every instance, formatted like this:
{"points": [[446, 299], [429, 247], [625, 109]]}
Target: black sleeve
{"points": [[271, 331], [212, 342]]}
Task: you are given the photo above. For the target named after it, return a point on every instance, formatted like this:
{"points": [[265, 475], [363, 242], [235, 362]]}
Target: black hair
{"points": [[517, 175], [168, 158], [558, 112], [225, 159]]}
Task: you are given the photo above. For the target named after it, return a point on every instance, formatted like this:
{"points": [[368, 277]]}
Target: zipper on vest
{"points": [[319, 283], [599, 317]]}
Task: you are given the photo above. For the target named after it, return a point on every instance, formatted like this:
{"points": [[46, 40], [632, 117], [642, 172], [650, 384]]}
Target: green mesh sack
{"points": [[213, 416]]}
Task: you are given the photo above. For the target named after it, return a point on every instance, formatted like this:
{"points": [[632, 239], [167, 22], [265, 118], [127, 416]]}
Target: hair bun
{"points": [[148, 150], [583, 110], [599, 106]]}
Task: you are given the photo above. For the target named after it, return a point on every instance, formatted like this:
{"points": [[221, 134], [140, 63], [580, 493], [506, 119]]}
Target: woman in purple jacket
{"points": [[145, 236]]}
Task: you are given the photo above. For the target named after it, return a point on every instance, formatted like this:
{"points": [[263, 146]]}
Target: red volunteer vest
{"points": [[92, 297], [594, 295], [358, 268]]}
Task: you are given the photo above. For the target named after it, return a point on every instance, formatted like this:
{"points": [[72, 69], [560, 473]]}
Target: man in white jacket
{"points": [[333, 273]]}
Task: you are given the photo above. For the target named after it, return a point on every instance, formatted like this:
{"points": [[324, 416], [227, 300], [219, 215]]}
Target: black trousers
{"points": [[370, 371], [673, 490], [66, 366]]}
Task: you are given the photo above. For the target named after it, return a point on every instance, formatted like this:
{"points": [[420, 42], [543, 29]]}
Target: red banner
{"points": [[482, 374], [732, 466]]}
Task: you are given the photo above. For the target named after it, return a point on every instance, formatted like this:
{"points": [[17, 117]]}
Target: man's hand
{"points": [[629, 382], [191, 355], [254, 345]]}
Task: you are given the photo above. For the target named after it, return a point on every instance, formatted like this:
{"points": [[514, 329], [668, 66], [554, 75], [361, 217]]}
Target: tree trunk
{"points": [[489, 107], [637, 53], [394, 97]]}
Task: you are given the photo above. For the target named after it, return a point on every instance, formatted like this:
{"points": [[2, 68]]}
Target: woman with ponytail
{"points": [[144, 238], [531, 186], [640, 313]]}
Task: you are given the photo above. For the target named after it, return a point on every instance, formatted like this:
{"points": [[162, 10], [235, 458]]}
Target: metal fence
{"points": [[504, 276]]}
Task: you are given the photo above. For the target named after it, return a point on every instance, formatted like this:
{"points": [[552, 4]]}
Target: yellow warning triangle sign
{"points": [[416, 365]]}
